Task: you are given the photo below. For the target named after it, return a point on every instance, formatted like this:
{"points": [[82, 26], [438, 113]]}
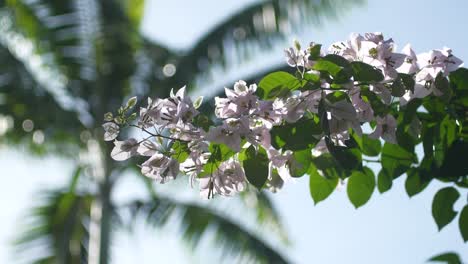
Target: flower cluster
{"points": [[333, 87]]}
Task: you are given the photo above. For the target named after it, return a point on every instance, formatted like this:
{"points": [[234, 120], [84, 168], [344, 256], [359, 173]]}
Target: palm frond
{"points": [[93, 43], [256, 28], [266, 213], [56, 230], [26, 103], [39, 59], [195, 221]]}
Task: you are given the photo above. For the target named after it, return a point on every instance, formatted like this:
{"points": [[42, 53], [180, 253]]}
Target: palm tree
{"points": [[66, 63]]}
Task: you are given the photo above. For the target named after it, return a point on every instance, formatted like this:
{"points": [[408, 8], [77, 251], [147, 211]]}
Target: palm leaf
{"points": [[256, 28], [257, 206], [56, 229], [196, 221], [26, 99]]}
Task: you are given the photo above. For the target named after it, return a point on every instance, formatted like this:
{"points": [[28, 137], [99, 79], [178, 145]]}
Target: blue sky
{"points": [[391, 228]]}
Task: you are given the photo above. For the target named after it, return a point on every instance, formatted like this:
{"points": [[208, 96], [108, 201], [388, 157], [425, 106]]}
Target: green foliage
{"points": [[278, 84], [302, 162], [181, 151], [448, 258], [463, 223], [363, 72], [219, 153], [320, 187], [370, 147], [335, 66], [416, 181], [403, 83], [349, 157], [256, 166], [384, 181], [442, 206], [396, 160], [296, 136], [360, 187]]}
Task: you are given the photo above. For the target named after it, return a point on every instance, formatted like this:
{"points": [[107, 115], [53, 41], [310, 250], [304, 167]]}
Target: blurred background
{"points": [[63, 64]]}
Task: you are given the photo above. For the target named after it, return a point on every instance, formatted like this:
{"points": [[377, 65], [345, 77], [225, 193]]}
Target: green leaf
{"points": [[301, 164], [442, 206], [364, 72], [408, 81], [374, 100], [463, 223], [397, 88], [329, 167], [460, 79], [296, 136], [448, 258], [256, 166], [327, 66], [442, 84], [414, 183], [370, 147], [384, 181], [181, 151], [455, 165], [396, 160], [336, 66], [320, 187], [338, 60], [314, 51], [279, 84], [219, 153], [203, 121], [348, 157], [313, 78], [360, 187]]}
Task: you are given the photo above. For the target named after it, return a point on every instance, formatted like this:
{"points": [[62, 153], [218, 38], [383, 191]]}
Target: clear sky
{"points": [[391, 228]]}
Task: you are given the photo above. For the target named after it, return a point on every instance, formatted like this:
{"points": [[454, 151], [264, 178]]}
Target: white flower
{"points": [[348, 49], [229, 179], [364, 111], [386, 129], [295, 57], [160, 168], [421, 90], [410, 64], [193, 165], [259, 136], [111, 131], [291, 108], [280, 162], [320, 148], [230, 132], [123, 150], [238, 102], [169, 112], [435, 61], [148, 148], [274, 182], [265, 115]]}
